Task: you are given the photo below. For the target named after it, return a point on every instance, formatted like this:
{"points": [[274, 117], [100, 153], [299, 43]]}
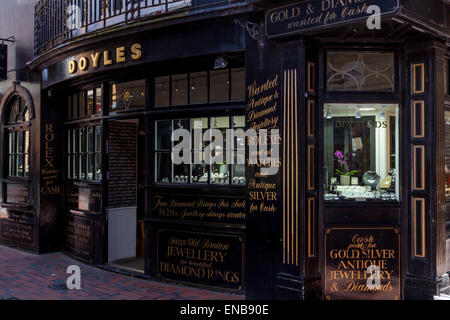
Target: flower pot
{"points": [[345, 180]]}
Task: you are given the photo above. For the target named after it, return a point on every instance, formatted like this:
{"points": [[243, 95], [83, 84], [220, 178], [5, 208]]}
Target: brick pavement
{"points": [[25, 276]]}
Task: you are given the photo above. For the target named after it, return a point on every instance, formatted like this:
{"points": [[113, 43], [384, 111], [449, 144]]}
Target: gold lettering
{"points": [[84, 63], [120, 55], [72, 67], [136, 51], [95, 58], [106, 59]]}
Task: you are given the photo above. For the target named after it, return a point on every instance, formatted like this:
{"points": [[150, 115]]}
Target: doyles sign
{"points": [[3, 61], [315, 14], [362, 263]]}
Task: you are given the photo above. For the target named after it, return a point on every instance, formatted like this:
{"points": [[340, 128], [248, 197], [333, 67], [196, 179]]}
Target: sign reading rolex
{"points": [[316, 14]]}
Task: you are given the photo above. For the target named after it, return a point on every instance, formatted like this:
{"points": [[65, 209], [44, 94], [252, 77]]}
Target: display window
{"points": [[84, 104], [361, 152], [84, 156], [199, 172]]}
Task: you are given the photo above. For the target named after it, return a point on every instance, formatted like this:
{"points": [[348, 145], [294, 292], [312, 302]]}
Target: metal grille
{"points": [[56, 21]]}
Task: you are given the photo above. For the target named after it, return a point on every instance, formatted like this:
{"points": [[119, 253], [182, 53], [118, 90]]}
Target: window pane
{"points": [[90, 102], [82, 135], [198, 128], [163, 135], [238, 84], [11, 165], [75, 166], [163, 165], [12, 141], [20, 165], [98, 166], [27, 165], [75, 140], [358, 152], [98, 100], [239, 168], [75, 106], [69, 166], [82, 104], [82, 173], [128, 95], [360, 71], [69, 108], [200, 170], [98, 138], [162, 91], [179, 89], [219, 85], [199, 87], [90, 166], [20, 142], [90, 139]]}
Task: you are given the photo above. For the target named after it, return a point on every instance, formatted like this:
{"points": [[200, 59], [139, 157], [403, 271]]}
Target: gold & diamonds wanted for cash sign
{"points": [[316, 14], [355, 257]]}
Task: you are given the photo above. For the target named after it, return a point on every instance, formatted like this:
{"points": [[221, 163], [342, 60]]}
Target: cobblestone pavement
{"points": [[25, 276]]}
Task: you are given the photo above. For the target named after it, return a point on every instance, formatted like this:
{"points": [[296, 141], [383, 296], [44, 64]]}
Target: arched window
{"points": [[17, 135]]}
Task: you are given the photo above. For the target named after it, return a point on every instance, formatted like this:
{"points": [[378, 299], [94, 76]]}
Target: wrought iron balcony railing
{"points": [[56, 21]]}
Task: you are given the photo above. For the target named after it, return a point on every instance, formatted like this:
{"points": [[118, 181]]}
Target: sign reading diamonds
{"points": [[316, 14]]}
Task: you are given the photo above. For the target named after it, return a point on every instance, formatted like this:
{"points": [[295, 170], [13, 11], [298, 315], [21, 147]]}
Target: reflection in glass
{"points": [[179, 89], [163, 164], [90, 102], [162, 91], [163, 135], [220, 85], [238, 84], [199, 87], [98, 100]]}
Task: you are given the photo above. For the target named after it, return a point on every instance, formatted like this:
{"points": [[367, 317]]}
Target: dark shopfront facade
{"points": [[363, 155]]}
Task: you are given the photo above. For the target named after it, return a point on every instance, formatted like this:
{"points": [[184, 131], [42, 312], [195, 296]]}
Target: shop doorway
{"points": [[126, 180]]}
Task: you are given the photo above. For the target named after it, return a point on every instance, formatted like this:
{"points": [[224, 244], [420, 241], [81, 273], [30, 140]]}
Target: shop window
{"points": [[127, 95], [361, 152], [360, 71], [214, 86], [18, 138], [84, 150], [198, 171], [84, 104]]}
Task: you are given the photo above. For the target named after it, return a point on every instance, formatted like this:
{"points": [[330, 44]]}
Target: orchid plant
{"points": [[344, 160]]}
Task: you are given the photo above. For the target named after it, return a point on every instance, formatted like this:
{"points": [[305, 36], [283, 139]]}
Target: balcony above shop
{"points": [[59, 21]]}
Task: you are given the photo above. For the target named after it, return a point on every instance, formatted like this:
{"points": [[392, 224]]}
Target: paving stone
{"points": [[26, 276]]}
